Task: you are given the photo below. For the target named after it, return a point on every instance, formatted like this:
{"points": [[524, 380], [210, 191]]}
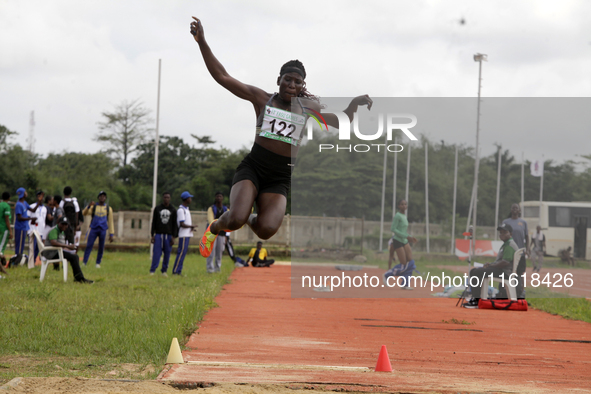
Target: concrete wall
{"points": [[308, 231], [134, 227]]}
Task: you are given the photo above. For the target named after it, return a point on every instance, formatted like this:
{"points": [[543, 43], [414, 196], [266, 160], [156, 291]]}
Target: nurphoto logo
{"points": [[345, 131]]}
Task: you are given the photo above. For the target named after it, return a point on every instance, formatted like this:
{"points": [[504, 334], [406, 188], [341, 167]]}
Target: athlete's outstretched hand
{"points": [[352, 108], [363, 100], [196, 29]]}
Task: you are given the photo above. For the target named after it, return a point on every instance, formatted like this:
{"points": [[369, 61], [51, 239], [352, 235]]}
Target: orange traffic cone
{"points": [[383, 364]]}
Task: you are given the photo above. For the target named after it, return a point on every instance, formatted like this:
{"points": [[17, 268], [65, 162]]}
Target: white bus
{"points": [[563, 223]]}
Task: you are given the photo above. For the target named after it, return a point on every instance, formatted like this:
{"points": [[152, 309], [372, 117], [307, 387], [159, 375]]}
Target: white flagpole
{"points": [[383, 192], [472, 201], [542, 187], [470, 209], [522, 179], [453, 218], [407, 178], [498, 195], [395, 173], [427, 193], [478, 58], [156, 143]]}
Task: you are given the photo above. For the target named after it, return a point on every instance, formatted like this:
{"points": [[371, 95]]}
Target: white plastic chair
{"points": [[511, 290], [45, 262]]}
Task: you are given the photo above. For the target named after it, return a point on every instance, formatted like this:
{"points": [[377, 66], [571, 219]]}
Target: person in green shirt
{"points": [[400, 238], [5, 229], [503, 265], [57, 237]]}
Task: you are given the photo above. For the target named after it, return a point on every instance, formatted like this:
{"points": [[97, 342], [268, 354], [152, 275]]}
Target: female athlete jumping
{"points": [[264, 176]]}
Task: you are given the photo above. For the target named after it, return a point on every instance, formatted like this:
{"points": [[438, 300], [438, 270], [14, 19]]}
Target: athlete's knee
{"points": [[234, 222], [265, 232]]}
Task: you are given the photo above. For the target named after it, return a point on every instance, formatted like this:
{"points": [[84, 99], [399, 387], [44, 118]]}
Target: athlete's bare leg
{"points": [[408, 252], [390, 255], [242, 198], [270, 214], [270, 211], [401, 253]]}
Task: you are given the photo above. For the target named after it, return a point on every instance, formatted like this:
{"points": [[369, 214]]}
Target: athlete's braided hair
{"points": [[297, 67]]}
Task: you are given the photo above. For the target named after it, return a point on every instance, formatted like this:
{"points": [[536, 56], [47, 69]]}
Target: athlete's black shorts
{"points": [[397, 244], [270, 172]]}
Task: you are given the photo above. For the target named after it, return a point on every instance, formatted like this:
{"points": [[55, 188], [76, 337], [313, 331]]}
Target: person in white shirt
{"points": [[538, 248], [186, 229], [39, 226]]}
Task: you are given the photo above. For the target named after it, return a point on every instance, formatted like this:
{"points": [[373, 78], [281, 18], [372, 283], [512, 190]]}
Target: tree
{"points": [[206, 139], [19, 169], [4, 136], [86, 173], [124, 129], [202, 171]]}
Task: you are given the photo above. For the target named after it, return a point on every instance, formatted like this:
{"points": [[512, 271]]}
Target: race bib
{"points": [[282, 125]]}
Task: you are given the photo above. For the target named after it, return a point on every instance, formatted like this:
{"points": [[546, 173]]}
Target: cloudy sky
{"points": [[71, 60]]}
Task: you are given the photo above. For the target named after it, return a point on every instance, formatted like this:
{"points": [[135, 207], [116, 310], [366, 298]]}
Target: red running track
{"points": [[260, 334]]}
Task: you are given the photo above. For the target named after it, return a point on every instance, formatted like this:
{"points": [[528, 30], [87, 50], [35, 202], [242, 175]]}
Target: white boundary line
{"points": [[277, 366]]}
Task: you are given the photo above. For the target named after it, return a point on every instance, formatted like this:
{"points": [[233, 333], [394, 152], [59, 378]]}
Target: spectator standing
{"points": [[49, 217], [41, 215], [102, 220], [520, 235], [164, 230], [21, 225], [186, 228], [519, 226], [57, 214], [71, 210], [214, 260], [5, 228], [58, 211], [538, 243], [79, 228]]}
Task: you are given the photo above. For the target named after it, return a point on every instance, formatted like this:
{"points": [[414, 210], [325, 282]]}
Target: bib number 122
{"points": [[281, 127]]}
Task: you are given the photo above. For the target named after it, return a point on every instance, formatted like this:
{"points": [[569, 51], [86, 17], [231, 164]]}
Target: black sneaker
{"points": [[471, 304], [85, 281]]}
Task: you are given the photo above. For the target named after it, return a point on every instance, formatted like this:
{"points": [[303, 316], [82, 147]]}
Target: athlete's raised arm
{"points": [[332, 119], [251, 93], [356, 103]]}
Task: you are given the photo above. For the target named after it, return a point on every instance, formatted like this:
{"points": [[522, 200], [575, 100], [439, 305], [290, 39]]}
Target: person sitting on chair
{"points": [[503, 265], [258, 256], [57, 237]]}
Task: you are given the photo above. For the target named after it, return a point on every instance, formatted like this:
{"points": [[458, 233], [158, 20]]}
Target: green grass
{"points": [[570, 308], [125, 317]]}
